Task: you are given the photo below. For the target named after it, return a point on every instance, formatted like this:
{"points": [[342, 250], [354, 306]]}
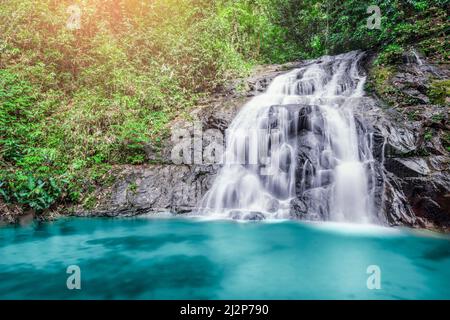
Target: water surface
{"points": [[147, 258]]}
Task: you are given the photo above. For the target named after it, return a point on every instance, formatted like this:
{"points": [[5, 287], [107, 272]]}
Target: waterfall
{"points": [[299, 150], [412, 57]]}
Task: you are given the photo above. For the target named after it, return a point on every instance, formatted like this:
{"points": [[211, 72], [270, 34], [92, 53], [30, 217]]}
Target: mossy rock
{"points": [[439, 92], [391, 55]]}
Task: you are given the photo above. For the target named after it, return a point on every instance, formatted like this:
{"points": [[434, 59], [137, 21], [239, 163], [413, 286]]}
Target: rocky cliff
{"points": [[412, 139], [406, 109]]}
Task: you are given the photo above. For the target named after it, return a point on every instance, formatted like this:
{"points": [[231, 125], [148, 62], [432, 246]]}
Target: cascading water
{"points": [[412, 57], [299, 149]]}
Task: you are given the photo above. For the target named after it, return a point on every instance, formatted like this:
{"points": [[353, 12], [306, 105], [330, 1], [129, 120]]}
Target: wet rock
{"points": [[246, 215], [407, 167], [260, 81], [254, 216], [273, 205], [310, 119], [395, 208], [326, 160], [432, 211], [235, 215], [408, 140], [285, 159], [298, 208], [399, 140]]}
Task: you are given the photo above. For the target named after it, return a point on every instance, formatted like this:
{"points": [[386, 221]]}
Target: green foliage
{"points": [[30, 190], [428, 135], [379, 82], [89, 202], [437, 118], [337, 26], [446, 141], [413, 115], [133, 187], [391, 54], [439, 92], [16, 117]]}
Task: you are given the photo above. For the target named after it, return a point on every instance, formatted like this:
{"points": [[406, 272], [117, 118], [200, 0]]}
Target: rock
{"points": [[246, 215], [431, 211], [254, 216], [298, 208], [272, 205], [407, 167], [416, 167], [395, 208], [399, 140], [259, 82], [160, 188], [235, 215]]}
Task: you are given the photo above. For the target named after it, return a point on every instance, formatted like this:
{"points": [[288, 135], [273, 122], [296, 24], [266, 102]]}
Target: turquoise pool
{"points": [[148, 258]]}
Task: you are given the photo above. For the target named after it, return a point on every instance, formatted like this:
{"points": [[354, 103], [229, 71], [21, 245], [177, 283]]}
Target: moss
{"points": [[110, 180], [446, 141], [132, 187], [379, 82], [413, 115], [428, 135], [437, 118], [439, 92], [435, 48], [89, 202], [392, 54]]}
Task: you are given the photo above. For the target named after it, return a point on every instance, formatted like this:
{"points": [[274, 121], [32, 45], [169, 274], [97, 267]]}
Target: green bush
{"points": [[392, 54], [439, 92]]}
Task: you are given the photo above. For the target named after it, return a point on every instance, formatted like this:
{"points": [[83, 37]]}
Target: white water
{"points": [[299, 140], [413, 58]]}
